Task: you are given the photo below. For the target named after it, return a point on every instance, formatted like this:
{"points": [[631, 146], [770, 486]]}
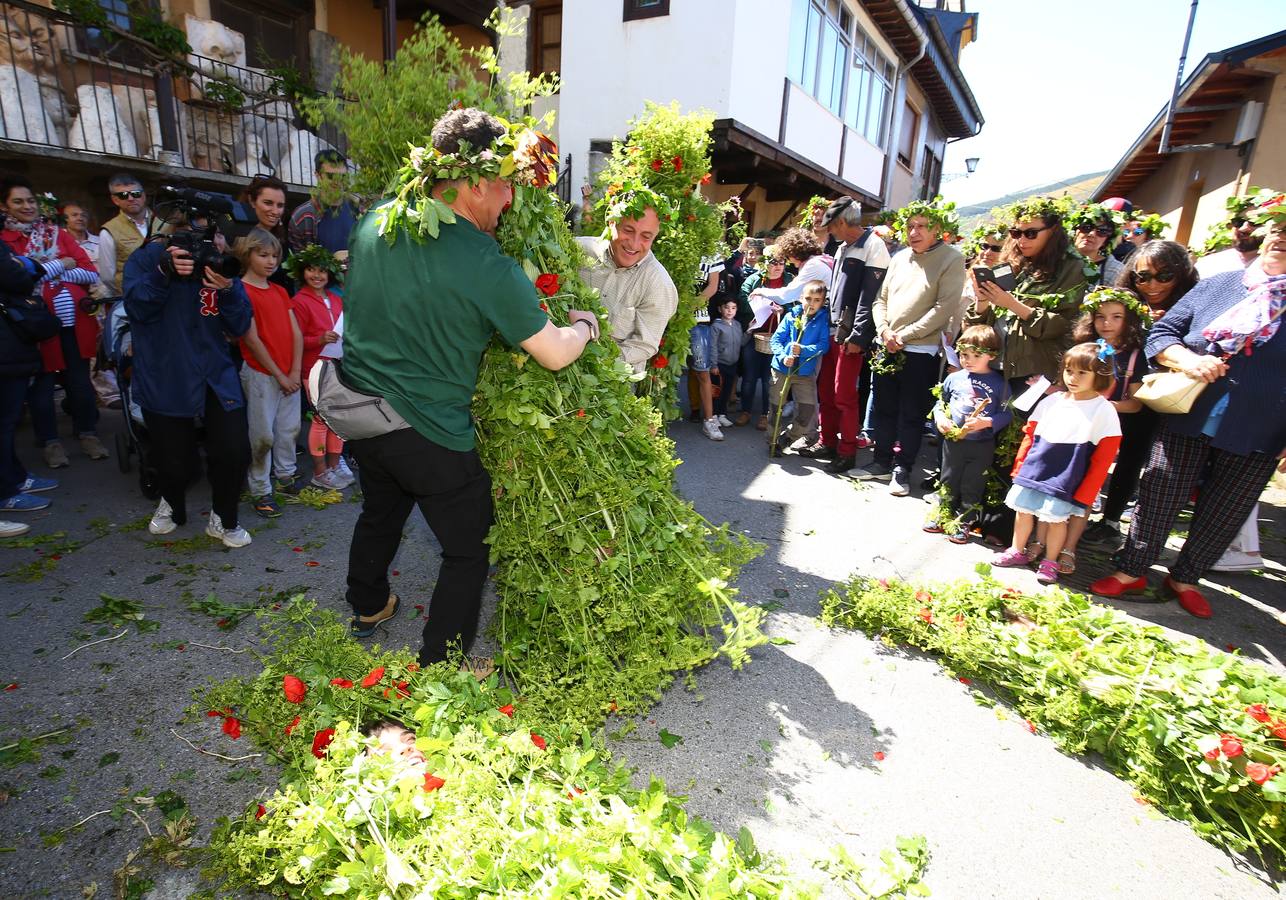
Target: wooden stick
{"points": [[219, 647], [39, 737], [92, 643], [211, 752]]}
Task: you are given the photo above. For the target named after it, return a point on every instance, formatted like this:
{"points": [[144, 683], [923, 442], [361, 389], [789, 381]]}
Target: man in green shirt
{"points": [[418, 317]]}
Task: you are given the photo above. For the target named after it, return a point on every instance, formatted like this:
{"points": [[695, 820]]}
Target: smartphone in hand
{"points": [[1002, 276]]}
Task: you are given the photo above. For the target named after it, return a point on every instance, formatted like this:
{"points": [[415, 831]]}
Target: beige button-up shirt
{"points": [[640, 300]]}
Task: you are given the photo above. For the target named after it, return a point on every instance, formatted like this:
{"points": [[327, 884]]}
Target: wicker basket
{"points": [[763, 342]]}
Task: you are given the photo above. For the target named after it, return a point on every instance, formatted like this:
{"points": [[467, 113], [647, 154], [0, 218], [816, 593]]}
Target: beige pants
{"points": [[804, 423]]}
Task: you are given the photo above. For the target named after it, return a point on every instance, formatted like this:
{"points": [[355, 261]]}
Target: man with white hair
{"points": [[860, 264]]}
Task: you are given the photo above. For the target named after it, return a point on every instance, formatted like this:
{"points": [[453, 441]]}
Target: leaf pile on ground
{"points": [[502, 806], [1200, 732]]}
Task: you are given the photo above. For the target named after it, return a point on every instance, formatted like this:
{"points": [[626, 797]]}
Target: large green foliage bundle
{"points": [[512, 809], [1195, 729], [668, 151]]}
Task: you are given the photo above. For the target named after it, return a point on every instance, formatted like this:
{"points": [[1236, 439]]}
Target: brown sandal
{"points": [[1066, 561]]}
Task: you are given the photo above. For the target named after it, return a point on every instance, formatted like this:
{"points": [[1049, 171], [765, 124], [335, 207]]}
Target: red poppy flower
{"points": [[432, 783], [612, 707], [396, 573], [182, 647], [232, 727], [879, 755], [373, 677], [884, 583], [260, 812], [508, 710], [1030, 725], [342, 683], [312, 563], [677, 162], [1278, 729], [402, 689], [926, 614], [321, 740], [1212, 754], [547, 284], [222, 623], [297, 549], [294, 723], [544, 306], [538, 741], [419, 608], [958, 619], [294, 689], [707, 178], [580, 413], [691, 217], [923, 597], [660, 361], [413, 668], [211, 713], [656, 165], [1259, 773], [1259, 713], [1230, 745], [964, 680]]}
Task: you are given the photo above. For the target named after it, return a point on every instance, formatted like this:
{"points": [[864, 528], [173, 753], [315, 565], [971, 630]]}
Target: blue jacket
{"points": [[814, 342], [1255, 420], [180, 332]]}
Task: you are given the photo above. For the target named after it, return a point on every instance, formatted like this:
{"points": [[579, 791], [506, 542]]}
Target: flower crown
{"points": [[979, 236], [816, 204], [1094, 299], [1267, 207], [313, 256], [1034, 208], [522, 155], [633, 202], [940, 213]]}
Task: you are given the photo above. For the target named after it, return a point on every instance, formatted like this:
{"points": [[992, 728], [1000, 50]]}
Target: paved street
{"points": [[784, 746]]}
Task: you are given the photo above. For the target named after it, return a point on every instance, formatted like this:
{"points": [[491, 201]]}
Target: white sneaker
{"points": [[330, 480], [724, 421], [342, 469], [235, 537], [1237, 561], [162, 520], [13, 529], [710, 428]]}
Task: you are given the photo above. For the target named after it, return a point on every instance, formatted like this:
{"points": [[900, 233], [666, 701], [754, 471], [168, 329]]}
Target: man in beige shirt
{"points": [[636, 289]]}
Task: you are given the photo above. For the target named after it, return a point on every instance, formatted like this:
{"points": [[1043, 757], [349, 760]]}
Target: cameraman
{"points": [[181, 322]]}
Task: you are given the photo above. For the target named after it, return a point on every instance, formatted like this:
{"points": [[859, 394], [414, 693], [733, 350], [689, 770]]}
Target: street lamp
{"points": [[971, 164]]}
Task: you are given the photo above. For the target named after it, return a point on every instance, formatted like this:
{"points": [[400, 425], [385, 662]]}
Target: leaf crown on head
{"points": [[521, 154], [1093, 214], [941, 215], [1267, 207], [980, 234], [1094, 299], [1153, 224], [313, 256], [816, 203], [1034, 208], [632, 201]]}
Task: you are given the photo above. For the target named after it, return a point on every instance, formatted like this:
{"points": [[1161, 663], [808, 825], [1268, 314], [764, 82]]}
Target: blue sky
{"points": [[1066, 87]]}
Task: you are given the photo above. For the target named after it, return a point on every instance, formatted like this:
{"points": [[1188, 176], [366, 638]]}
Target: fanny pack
{"points": [[30, 318], [350, 414]]}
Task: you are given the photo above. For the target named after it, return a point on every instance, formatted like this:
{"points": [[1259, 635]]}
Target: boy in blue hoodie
{"points": [[798, 345]]}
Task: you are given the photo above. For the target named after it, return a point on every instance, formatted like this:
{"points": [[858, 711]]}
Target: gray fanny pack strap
{"points": [[351, 414]]}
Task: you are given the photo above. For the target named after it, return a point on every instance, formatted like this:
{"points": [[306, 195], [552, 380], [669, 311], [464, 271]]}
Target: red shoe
{"points": [[1191, 600], [1110, 587]]}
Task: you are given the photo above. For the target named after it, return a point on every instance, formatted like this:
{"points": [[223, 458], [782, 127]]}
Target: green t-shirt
{"points": [[417, 318]]}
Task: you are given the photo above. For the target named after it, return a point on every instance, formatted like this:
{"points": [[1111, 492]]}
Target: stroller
{"points": [[133, 441]]}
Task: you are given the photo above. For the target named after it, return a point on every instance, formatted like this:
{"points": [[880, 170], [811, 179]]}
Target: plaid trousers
{"points": [[1227, 496]]}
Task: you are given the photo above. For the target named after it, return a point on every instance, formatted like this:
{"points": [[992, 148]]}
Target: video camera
{"points": [[221, 213]]}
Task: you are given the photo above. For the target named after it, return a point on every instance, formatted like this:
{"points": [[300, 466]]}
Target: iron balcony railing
{"points": [[65, 85]]}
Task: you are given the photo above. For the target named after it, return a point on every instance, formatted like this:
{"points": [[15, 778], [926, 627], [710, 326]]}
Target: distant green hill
{"points": [[1079, 187]]}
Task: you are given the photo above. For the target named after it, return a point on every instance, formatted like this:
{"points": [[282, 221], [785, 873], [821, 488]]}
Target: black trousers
{"points": [[964, 472], [902, 402], [1138, 433], [227, 451], [399, 471]]}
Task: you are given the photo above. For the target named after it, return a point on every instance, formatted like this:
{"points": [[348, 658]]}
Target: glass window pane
{"points": [[808, 76], [830, 54], [832, 7], [551, 28], [798, 24], [552, 57]]}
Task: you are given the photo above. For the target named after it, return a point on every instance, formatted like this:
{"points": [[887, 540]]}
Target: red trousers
{"points": [[840, 415]]}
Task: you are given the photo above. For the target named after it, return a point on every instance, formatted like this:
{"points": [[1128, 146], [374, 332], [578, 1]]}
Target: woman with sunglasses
{"points": [[1160, 272], [1093, 235], [1227, 333], [1037, 316]]}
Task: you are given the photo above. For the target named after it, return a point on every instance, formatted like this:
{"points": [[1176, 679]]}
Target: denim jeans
{"points": [[81, 396]]}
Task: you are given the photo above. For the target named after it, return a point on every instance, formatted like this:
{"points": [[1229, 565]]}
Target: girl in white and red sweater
{"points": [[1068, 445]]}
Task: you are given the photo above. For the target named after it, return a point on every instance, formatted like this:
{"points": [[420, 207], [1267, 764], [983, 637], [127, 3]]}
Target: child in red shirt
{"points": [[271, 375], [317, 310]]}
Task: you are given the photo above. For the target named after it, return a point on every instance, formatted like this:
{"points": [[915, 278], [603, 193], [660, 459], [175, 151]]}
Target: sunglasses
{"points": [[1136, 231], [1237, 222], [127, 195], [994, 248], [1100, 230], [1161, 277], [1029, 233]]}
